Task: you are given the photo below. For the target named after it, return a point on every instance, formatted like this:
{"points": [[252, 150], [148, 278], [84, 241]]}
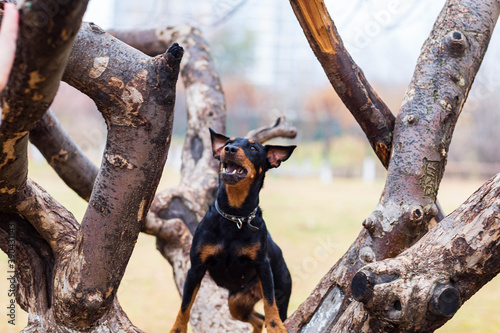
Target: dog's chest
{"points": [[232, 267], [228, 253]]}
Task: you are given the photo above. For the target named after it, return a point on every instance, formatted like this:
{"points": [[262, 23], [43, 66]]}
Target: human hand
{"points": [[8, 37]]}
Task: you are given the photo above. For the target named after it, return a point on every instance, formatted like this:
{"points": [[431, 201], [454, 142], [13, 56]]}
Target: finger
{"points": [[8, 37]]}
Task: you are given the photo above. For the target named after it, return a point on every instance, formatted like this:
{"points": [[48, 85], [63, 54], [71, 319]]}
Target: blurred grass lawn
{"points": [[314, 223]]}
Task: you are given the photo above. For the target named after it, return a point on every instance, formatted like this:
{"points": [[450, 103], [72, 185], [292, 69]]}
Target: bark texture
{"points": [[137, 106], [62, 267], [348, 80], [445, 71], [421, 289]]}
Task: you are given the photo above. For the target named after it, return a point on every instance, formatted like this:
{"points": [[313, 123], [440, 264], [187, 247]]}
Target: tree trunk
{"points": [[445, 71], [62, 267]]}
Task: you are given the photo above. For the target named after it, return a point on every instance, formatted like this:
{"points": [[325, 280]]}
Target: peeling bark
{"points": [[421, 289], [445, 71], [65, 282]]}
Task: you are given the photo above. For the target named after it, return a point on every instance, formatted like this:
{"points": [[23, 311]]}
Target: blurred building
{"points": [[262, 38]]}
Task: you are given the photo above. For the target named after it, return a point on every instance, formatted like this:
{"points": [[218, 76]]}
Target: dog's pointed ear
{"points": [[278, 154], [218, 142]]}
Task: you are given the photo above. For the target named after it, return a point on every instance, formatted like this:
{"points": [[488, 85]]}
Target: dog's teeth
{"points": [[234, 171]]}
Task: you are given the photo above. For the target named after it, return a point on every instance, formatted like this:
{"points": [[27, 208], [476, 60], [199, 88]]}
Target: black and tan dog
{"points": [[232, 242]]}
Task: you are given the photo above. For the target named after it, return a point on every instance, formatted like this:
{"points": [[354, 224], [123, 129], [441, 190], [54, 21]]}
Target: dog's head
{"points": [[245, 159]]}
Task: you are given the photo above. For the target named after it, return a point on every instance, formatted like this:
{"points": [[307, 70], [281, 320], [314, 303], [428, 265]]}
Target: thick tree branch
{"points": [[52, 221], [445, 71], [348, 80], [137, 106], [64, 155], [32, 87], [48, 272], [153, 41], [42, 50], [431, 280]]}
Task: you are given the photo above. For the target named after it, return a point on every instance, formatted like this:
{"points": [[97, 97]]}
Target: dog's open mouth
{"points": [[232, 172]]}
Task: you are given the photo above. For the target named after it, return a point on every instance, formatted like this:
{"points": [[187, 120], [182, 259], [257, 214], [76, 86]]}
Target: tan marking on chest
{"points": [[249, 251], [209, 250]]}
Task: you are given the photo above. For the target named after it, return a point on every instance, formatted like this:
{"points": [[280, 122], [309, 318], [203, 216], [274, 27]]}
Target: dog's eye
{"points": [[252, 148]]}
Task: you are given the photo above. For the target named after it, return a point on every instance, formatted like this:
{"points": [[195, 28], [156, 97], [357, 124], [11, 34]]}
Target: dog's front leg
{"points": [[271, 313], [191, 286]]}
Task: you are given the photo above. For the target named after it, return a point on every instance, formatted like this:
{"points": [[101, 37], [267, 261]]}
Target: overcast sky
{"points": [[388, 33]]}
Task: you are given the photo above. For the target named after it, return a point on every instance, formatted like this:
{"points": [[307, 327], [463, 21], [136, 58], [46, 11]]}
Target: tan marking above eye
{"points": [[251, 141]]}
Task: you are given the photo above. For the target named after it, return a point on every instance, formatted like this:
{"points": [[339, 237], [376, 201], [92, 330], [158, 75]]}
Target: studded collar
{"points": [[239, 220]]}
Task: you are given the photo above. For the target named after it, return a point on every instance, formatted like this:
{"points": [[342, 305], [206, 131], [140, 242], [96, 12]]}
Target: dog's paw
{"points": [[275, 326]]}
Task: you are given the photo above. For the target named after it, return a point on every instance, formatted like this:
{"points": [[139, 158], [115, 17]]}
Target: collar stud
{"points": [[239, 220]]}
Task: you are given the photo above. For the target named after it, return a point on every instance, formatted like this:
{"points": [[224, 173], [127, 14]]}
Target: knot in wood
{"points": [[176, 51], [366, 255], [456, 43], [433, 211], [411, 119], [370, 224], [373, 224], [415, 214], [362, 285], [445, 300]]}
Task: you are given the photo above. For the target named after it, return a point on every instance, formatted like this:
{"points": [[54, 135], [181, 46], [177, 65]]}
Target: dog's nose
{"points": [[231, 150]]}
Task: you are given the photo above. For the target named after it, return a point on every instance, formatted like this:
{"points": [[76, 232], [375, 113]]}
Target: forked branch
{"points": [[444, 74]]}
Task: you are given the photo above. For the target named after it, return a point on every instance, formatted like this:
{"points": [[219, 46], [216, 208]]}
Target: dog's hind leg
{"points": [[241, 306], [281, 277], [282, 291]]}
